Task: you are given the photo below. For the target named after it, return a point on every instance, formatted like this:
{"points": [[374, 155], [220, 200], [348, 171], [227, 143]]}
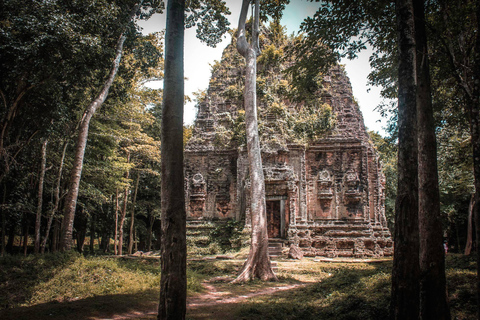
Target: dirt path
{"points": [[215, 303], [213, 296]]}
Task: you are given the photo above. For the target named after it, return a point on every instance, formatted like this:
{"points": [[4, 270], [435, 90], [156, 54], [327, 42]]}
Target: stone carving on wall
{"points": [[351, 184], [324, 185], [223, 207], [325, 194], [352, 195], [332, 188], [197, 196], [279, 173]]}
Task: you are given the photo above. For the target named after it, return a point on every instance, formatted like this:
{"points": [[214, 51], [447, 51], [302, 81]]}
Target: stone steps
{"points": [[275, 248]]}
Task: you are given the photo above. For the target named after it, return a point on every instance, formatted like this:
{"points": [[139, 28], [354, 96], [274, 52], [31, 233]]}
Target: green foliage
{"points": [[387, 150], [286, 114], [311, 123], [228, 235], [342, 29], [210, 19], [456, 181]]}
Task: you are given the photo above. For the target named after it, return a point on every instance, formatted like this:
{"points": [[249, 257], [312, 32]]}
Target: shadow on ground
{"points": [[119, 306]]}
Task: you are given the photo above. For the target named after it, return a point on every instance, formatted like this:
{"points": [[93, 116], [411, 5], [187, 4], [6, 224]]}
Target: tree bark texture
{"points": [[173, 282], [468, 245], [115, 234], [56, 196], [92, 232], [76, 173], [475, 129], [81, 222], [406, 270], [258, 263], [132, 217], [151, 220], [4, 220], [433, 283], [41, 178], [123, 214], [26, 223]]}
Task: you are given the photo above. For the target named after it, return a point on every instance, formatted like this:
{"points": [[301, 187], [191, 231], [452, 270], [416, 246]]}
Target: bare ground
{"points": [[217, 301]]}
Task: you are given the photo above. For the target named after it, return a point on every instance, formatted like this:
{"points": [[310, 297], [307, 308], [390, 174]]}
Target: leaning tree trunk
{"points": [[258, 263], [56, 196], [76, 173], [173, 282], [406, 270], [433, 283], [132, 217], [41, 178]]}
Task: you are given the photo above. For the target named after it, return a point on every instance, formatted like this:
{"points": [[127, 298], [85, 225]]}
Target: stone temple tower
{"points": [[325, 195]]}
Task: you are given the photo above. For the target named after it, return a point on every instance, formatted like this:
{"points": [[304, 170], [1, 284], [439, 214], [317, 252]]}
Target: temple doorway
{"points": [[276, 218]]}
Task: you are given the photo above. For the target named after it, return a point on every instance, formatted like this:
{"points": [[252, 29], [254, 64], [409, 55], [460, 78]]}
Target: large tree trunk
{"points": [[258, 263], [475, 129], [132, 217], [406, 270], [41, 178], [56, 196], [173, 282], [76, 173], [433, 287]]}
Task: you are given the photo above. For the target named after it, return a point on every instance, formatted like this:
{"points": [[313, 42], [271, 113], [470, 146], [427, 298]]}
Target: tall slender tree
{"points": [[258, 263], [56, 196], [131, 234], [41, 178], [76, 172], [405, 274], [173, 282]]}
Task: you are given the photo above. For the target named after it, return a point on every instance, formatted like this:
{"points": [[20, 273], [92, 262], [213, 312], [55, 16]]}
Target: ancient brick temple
{"points": [[326, 196]]}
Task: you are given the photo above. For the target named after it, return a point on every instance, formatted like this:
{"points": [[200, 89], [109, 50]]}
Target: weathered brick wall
{"points": [[330, 192]]}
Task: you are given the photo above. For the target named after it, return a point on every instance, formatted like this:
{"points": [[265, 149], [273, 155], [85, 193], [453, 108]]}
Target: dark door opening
{"points": [[274, 218]]}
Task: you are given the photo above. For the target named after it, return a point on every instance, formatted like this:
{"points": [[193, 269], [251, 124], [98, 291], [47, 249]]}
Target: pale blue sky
{"points": [[198, 58]]}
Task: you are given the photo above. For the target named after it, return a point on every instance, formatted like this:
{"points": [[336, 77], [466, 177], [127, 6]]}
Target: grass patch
{"points": [[32, 280], [337, 291], [58, 286]]}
